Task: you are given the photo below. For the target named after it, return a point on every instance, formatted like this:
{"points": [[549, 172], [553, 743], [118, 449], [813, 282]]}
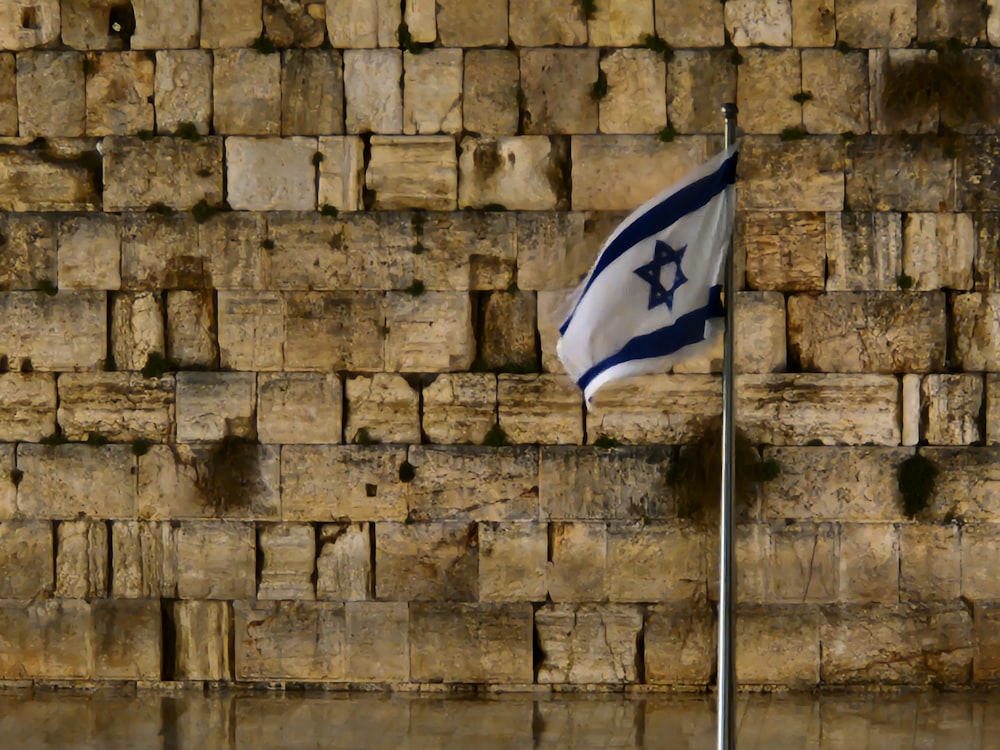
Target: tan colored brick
{"points": [[8, 94], [230, 23], [299, 407], [683, 23], [432, 91], [369, 23], [116, 406], [26, 559], [421, 19], [554, 249], [374, 103], [679, 643], [512, 561], [992, 409], [16, 35], [631, 107], [341, 173], [976, 327], [588, 643], [427, 562], [759, 22], [27, 406], [864, 251], [874, 183], [814, 23], [556, 84], [578, 570], [802, 563], [128, 639], [203, 632], [273, 174], [697, 80], [535, 23], [413, 172], [8, 486], [939, 250], [654, 562], [119, 93], [89, 255], [175, 172], [632, 410], [869, 562], [778, 644], [471, 23], [51, 94], [467, 250], [136, 329], [952, 404], [67, 481], [431, 332], [246, 92], [251, 329], [291, 640], [183, 90], [289, 552], [215, 405], [520, 173], [344, 562], [459, 407], [62, 175], [863, 24], [161, 252], [930, 563], [838, 82], [230, 243], [540, 409], [191, 335], [768, 78], [312, 93], [378, 641], [64, 625], [805, 175], [28, 252], [35, 326], [620, 23], [215, 560], [145, 560], [334, 331], [507, 340], [489, 90], [979, 560], [82, 560], [385, 406]]}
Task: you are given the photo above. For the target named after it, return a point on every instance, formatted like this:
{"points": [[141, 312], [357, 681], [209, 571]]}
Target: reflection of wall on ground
{"points": [[279, 400]]}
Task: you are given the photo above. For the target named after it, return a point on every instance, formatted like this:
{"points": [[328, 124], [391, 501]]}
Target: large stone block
{"points": [[513, 561], [51, 94], [66, 481], [986, 630], [471, 643], [420, 562], [271, 174], [634, 103], [690, 23], [191, 335], [8, 95], [759, 22], [421, 20], [117, 406], [869, 562], [471, 23], [63, 625], [204, 630], [620, 23], [215, 405], [128, 639], [251, 330], [655, 562], [930, 563], [368, 23], [838, 83], [344, 562], [27, 406], [679, 643], [976, 329], [335, 331], [119, 93], [145, 560], [136, 329], [467, 250], [175, 172], [802, 563], [413, 172], [489, 90], [246, 92], [952, 404], [805, 175], [556, 86], [864, 24], [89, 252], [814, 23], [216, 560], [87, 25], [29, 23], [965, 488], [697, 80], [312, 93], [82, 559], [230, 23], [588, 643], [939, 21], [785, 251], [61, 175], [162, 252], [299, 407], [289, 561], [432, 91], [459, 407], [431, 332], [182, 89], [341, 172], [518, 173], [848, 332], [374, 101], [555, 249], [541, 23], [27, 559], [540, 409], [864, 251], [980, 556], [764, 78], [889, 173], [159, 27], [940, 250], [578, 569], [378, 641], [384, 407], [778, 645]]}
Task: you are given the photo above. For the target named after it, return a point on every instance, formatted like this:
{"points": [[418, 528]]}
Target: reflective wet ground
{"points": [[302, 721]]}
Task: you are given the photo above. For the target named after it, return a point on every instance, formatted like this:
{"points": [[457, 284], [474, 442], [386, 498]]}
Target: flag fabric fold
{"points": [[654, 295]]}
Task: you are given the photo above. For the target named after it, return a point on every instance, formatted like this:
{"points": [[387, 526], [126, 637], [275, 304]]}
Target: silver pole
{"points": [[727, 661]]}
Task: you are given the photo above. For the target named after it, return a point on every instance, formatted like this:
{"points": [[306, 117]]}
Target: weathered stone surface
{"points": [[634, 103], [191, 329], [413, 172], [980, 556], [246, 92], [764, 73], [588, 643], [119, 92], [761, 345], [540, 409], [814, 23], [697, 80], [385, 406], [201, 649], [368, 23], [679, 643], [976, 327], [888, 173], [422, 562], [966, 486], [986, 630], [63, 625], [900, 333], [471, 643], [295, 23], [518, 173], [289, 560], [145, 560], [939, 21], [864, 24], [87, 25], [118, 406], [930, 563], [683, 23], [271, 175], [976, 162], [471, 483], [335, 331], [161, 252], [512, 561], [371, 89], [8, 488], [556, 85], [215, 560], [136, 329], [36, 327], [344, 562], [759, 22], [82, 563], [29, 23], [471, 23], [341, 172], [550, 315], [603, 484], [28, 252], [26, 559], [939, 250], [489, 90], [911, 409], [952, 404], [171, 171], [183, 90], [507, 341], [432, 91], [251, 329], [459, 407], [655, 562], [51, 95], [299, 407], [421, 20], [620, 23], [889, 110], [89, 251], [341, 483], [215, 405], [779, 645], [431, 332], [157, 26], [8, 95], [838, 83], [378, 641], [312, 95], [61, 175], [641, 165], [128, 639], [896, 644], [785, 251], [802, 563], [869, 562], [545, 23], [230, 23], [806, 175], [992, 409], [578, 569], [467, 250], [68, 480], [863, 250], [555, 250]]}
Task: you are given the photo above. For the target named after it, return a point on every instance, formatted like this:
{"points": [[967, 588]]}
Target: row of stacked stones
{"points": [[279, 399]]}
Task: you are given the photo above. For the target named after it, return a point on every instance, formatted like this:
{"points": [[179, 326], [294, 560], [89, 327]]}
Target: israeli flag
{"points": [[654, 295]]}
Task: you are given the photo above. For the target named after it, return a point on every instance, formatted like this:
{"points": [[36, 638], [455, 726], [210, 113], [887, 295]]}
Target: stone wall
{"points": [[279, 401]]}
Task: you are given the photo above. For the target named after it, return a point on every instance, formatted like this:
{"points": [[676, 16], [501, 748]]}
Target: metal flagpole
{"points": [[726, 733]]}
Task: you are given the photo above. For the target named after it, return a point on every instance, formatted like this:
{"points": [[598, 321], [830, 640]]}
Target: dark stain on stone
{"points": [[486, 159]]}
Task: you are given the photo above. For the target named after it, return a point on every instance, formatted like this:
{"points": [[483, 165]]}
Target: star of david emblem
{"points": [[663, 255]]}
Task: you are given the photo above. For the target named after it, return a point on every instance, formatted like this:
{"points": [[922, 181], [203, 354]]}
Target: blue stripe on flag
{"points": [[673, 208], [686, 330]]}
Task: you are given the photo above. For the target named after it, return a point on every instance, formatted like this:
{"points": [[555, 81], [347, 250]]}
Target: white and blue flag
{"points": [[654, 296]]}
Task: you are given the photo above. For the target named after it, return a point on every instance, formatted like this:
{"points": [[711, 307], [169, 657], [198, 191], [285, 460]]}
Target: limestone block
{"points": [[900, 333], [896, 644], [911, 409], [341, 483], [29, 23], [60, 175], [966, 485], [378, 641], [203, 633], [979, 560], [679, 643], [344, 562], [697, 80], [578, 569], [588, 643], [299, 407], [413, 172], [423, 562], [335, 331], [762, 343], [603, 484], [421, 20], [215, 560], [869, 562], [72, 481], [431, 332], [471, 23], [888, 173], [26, 559], [432, 91], [778, 644], [190, 332], [556, 85], [162, 252], [368, 23], [489, 93], [655, 562], [641, 165], [620, 23], [215, 405], [632, 410], [251, 328], [128, 639], [864, 24], [230, 246], [518, 173], [373, 97], [939, 250], [136, 329], [885, 65], [385, 406], [467, 250], [976, 191], [62, 332], [246, 93], [752, 543], [939, 21], [473, 484], [51, 96], [82, 561], [828, 483], [759, 22], [864, 251], [683, 23], [89, 252], [87, 25], [63, 625], [172, 171], [976, 327], [8, 95], [992, 409], [295, 23], [814, 23], [540, 409], [554, 249], [952, 404], [839, 84], [634, 102], [341, 172], [230, 23], [549, 317], [27, 252], [546, 23], [471, 642], [158, 26], [271, 174], [459, 407], [8, 488], [806, 175], [289, 552], [119, 406], [930, 563], [512, 561], [119, 92], [312, 94], [768, 79], [312, 251], [507, 341], [183, 90], [785, 251], [145, 560], [802, 563]]}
